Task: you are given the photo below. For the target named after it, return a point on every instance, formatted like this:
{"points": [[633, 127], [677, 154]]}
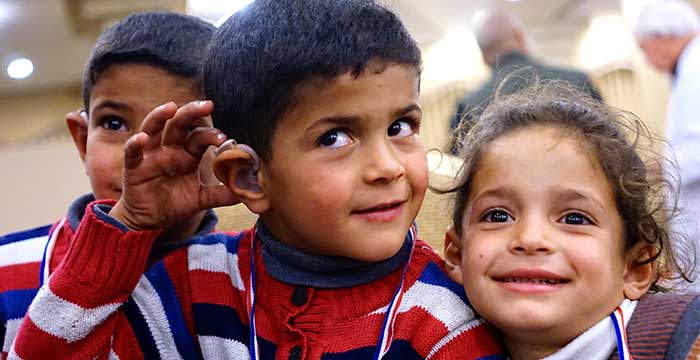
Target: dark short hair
{"points": [[260, 56], [618, 140], [173, 42]]}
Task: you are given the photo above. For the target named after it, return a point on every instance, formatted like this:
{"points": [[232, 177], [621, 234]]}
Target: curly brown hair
{"points": [[646, 199]]}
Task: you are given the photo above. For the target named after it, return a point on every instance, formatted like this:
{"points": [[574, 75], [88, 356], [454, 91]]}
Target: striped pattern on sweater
{"points": [[20, 265], [665, 326], [192, 305]]}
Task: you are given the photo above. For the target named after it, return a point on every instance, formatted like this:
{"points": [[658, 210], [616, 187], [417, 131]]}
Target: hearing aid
{"points": [[247, 177]]}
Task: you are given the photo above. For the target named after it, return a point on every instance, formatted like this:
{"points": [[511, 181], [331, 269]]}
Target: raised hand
{"points": [[162, 185]]}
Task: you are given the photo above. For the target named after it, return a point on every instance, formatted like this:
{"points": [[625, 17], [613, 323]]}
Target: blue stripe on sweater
{"points": [[141, 330], [25, 235], [224, 322], [158, 276], [231, 241], [221, 321], [400, 349], [268, 350], [14, 303], [433, 275]]}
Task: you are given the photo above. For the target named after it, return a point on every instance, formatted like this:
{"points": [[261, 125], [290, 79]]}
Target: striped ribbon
{"points": [[44, 270], [618, 320]]}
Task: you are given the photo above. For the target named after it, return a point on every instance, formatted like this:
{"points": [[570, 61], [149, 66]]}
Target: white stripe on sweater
{"points": [[151, 308], [11, 328], [113, 355], [453, 334], [64, 319], [440, 302], [13, 355], [21, 252], [214, 347], [215, 258]]}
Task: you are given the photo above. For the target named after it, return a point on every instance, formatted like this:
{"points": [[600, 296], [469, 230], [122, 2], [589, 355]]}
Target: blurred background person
{"points": [[504, 48], [667, 32]]}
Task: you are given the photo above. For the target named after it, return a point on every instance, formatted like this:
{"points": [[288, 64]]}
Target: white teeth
{"points": [[533, 281]]}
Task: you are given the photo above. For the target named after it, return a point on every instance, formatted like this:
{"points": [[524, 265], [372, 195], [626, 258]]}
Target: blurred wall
{"points": [[41, 171]]}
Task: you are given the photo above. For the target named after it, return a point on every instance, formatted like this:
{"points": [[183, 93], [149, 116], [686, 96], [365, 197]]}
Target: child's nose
{"points": [[383, 163], [531, 237]]}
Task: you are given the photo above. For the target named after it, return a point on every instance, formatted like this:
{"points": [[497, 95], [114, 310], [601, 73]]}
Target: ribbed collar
{"points": [[295, 267], [77, 210]]}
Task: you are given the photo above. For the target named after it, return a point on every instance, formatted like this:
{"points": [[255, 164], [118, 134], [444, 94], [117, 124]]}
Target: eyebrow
{"points": [[568, 194], [111, 104], [347, 120], [499, 192], [407, 110]]}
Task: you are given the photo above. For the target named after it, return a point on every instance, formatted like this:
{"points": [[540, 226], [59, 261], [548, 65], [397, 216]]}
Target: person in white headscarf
{"points": [[667, 32]]}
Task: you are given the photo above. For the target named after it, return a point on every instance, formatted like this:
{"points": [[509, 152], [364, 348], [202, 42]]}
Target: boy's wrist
{"points": [[121, 213]]}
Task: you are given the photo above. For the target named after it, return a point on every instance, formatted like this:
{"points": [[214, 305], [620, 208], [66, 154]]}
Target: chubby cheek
{"points": [[326, 193], [417, 170], [104, 167], [477, 257]]}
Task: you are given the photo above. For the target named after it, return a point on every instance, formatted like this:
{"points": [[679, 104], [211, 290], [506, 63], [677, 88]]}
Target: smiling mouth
{"points": [[543, 281], [385, 212], [379, 208]]}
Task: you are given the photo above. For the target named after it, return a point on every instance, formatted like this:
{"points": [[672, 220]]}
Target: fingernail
{"points": [[201, 103]]}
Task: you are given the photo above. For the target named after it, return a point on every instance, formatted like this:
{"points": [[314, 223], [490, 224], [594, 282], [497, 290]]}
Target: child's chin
{"points": [[377, 254]]}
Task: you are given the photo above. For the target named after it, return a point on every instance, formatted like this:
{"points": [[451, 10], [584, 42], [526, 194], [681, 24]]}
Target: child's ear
{"points": [[639, 272], [78, 128], [453, 255], [237, 169]]}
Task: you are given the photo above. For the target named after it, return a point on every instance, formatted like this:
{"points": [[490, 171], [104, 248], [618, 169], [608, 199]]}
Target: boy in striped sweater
{"points": [[135, 65], [324, 93]]}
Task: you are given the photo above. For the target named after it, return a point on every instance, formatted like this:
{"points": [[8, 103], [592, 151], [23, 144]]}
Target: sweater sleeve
{"points": [[74, 315]]}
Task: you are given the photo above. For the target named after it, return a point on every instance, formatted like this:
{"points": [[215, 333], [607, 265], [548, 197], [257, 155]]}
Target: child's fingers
{"points": [[133, 150], [200, 139], [156, 119], [186, 118]]}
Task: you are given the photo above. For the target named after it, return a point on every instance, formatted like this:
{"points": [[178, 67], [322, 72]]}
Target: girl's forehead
{"points": [[538, 156]]}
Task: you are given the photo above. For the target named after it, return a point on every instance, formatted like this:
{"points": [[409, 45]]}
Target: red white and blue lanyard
{"points": [[386, 335], [44, 270], [618, 320]]}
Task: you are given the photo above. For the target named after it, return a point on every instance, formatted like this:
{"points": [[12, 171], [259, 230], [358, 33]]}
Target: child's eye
{"points": [[113, 123], [575, 218], [334, 139], [401, 128], [496, 216]]}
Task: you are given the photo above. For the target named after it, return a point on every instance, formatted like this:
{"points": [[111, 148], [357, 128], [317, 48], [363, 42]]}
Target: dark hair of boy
{"points": [[295, 42], [170, 41]]}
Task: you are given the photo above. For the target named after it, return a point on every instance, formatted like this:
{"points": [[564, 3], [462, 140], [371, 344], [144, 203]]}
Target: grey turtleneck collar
{"points": [[292, 266]]}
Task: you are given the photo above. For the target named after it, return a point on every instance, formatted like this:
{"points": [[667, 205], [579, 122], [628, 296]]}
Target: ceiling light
{"points": [[20, 68], [215, 11]]}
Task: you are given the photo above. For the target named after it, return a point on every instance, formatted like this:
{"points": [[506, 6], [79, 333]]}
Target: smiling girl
{"points": [[559, 233]]}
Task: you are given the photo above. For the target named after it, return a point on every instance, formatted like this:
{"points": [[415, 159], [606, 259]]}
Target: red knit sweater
{"points": [[192, 304]]}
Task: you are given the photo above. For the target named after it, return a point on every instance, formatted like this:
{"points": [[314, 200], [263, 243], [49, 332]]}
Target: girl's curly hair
{"points": [[642, 179]]}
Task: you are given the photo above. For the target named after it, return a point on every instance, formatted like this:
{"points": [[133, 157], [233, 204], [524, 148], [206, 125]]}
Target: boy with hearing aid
{"points": [[559, 233], [322, 100], [135, 65]]}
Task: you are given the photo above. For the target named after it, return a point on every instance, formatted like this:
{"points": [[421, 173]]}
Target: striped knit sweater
{"points": [[665, 326], [192, 305], [21, 255]]}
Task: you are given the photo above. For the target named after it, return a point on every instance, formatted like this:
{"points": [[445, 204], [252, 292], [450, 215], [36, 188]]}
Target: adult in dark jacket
{"points": [[503, 45]]}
